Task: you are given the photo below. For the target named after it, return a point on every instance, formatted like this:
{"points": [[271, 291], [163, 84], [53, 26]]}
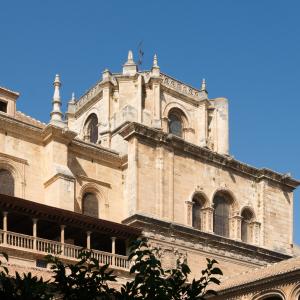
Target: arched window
{"points": [[90, 205], [247, 217], [91, 129], [175, 118], [222, 205], [198, 203], [7, 183]]}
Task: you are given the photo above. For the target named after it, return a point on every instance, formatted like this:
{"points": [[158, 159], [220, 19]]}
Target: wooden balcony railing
{"points": [[29, 243]]}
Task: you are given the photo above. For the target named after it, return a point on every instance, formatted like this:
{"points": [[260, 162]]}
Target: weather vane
{"points": [[140, 53]]}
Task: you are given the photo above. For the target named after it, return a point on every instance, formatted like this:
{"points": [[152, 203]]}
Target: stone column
{"points": [[88, 239], [208, 219], [113, 249], [62, 239], [5, 213], [113, 245], [189, 213], [34, 232]]}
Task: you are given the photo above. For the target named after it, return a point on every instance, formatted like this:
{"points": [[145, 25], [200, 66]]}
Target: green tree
{"points": [[87, 279]]}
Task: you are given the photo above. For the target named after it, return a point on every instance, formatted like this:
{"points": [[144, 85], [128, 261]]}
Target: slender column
{"points": [[113, 245], [113, 249], [88, 239], [34, 232], [5, 227], [62, 238]]}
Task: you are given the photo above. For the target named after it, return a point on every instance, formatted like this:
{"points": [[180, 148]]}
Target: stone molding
{"points": [[193, 239], [157, 137]]}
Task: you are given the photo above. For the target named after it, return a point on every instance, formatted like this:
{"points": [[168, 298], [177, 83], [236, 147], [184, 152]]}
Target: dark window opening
{"points": [[3, 106], [221, 215], [7, 183], [175, 125], [90, 206], [247, 217], [91, 129]]}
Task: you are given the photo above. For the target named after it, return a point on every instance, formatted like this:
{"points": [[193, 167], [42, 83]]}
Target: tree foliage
{"points": [[87, 279]]}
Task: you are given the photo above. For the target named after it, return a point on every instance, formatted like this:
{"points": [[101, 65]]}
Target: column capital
{"points": [[5, 213]]}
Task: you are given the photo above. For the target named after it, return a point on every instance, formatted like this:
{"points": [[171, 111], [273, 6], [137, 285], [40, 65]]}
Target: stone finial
{"points": [[203, 85], [72, 100], [130, 57], [155, 72], [155, 64], [106, 74], [56, 114], [130, 67]]}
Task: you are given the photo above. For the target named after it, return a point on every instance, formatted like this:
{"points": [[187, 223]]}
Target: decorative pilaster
{"points": [[104, 126], [235, 227], [189, 213], [255, 230], [207, 219]]}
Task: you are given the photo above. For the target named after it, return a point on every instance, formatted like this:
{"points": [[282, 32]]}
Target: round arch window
{"points": [[91, 129]]}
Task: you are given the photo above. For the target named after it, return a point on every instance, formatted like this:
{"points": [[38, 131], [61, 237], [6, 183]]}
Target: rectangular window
{"points": [[3, 106], [41, 263]]}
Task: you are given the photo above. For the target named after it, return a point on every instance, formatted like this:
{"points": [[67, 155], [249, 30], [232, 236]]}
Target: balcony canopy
{"points": [[65, 217]]}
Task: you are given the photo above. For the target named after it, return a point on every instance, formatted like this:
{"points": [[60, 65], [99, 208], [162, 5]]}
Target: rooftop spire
{"points": [[56, 114], [203, 85]]}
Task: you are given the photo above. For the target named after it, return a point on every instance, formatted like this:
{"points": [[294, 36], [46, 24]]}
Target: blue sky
{"points": [[248, 51]]}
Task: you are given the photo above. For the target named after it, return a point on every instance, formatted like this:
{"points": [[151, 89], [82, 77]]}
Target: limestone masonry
{"points": [[142, 153]]}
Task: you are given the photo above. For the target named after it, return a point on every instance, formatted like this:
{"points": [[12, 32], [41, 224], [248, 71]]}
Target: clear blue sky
{"points": [[249, 52]]}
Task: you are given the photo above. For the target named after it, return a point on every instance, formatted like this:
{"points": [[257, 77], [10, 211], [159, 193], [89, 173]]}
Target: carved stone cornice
{"points": [[59, 134], [182, 88], [157, 137], [18, 127], [205, 242], [96, 152]]}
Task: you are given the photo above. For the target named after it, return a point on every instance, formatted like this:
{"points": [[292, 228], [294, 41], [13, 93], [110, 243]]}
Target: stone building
{"points": [[143, 153]]}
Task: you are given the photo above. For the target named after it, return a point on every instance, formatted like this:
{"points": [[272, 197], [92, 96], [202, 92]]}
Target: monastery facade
{"points": [[141, 153]]}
